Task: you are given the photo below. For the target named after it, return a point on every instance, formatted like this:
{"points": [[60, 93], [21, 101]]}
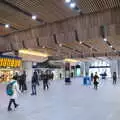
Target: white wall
{"points": [[114, 66]]}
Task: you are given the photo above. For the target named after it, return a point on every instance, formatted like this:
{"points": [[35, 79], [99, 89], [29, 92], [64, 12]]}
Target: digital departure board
{"points": [[9, 61]]}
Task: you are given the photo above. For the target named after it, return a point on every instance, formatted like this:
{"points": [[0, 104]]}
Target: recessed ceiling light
{"points": [[80, 42], [60, 45], [7, 25], [105, 39], [72, 4], [67, 1], [111, 46], [43, 47], [34, 17]]}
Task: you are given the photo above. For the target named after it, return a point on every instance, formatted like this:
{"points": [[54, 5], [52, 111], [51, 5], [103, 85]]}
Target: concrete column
{"points": [[82, 68], [87, 65], [115, 67], [118, 66], [27, 66]]}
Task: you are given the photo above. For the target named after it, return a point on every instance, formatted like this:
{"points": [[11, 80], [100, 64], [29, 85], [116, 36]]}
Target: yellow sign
{"points": [[10, 62]]}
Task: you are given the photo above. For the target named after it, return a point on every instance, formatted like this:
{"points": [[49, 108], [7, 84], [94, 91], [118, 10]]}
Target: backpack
{"points": [[9, 88]]}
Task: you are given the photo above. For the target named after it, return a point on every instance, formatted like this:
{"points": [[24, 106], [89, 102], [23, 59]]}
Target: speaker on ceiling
{"points": [[11, 46], [37, 41], [55, 39], [103, 31], [76, 36], [23, 44]]}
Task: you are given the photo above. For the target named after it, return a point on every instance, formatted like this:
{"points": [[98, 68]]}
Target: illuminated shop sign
{"points": [[9, 61]]}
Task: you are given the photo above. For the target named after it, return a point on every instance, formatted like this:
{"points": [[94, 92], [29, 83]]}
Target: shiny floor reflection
{"points": [[71, 102]]}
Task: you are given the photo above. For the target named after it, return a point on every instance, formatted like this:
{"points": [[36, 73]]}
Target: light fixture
{"points": [[80, 42], [43, 47], [105, 39], [72, 5], [70, 60], [60, 45], [67, 1], [31, 52], [111, 46], [7, 25], [34, 63], [34, 17]]}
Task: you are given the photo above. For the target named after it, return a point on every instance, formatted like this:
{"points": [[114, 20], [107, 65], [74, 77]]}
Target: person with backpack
{"points": [[12, 90]]}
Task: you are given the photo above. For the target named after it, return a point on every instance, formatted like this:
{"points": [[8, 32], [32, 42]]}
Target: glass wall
{"points": [[100, 67]]}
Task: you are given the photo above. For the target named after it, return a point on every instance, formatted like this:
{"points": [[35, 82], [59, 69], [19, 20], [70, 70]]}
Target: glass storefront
{"points": [[100, 67], [8, 66], [7, 74]]}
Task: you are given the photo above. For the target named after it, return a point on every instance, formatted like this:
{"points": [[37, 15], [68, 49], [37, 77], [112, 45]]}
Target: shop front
{"points": [[8, 66]]}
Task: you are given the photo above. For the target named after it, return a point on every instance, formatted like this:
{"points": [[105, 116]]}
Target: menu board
{"points": [[8, 61]]}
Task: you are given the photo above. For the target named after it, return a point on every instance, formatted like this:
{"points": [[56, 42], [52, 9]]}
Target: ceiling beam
{"points": [[12, 27]]}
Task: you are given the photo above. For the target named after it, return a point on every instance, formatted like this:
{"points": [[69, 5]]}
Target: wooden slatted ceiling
{"points": [[115, 41], [89, 6], [48, 10], [15, 18], [4, 31]]}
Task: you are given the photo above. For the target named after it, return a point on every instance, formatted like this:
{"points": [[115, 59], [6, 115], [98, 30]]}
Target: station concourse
{"points": [[59, 59]]}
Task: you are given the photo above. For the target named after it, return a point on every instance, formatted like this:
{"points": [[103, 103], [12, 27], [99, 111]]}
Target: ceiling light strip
{"points": [[34, 53]]}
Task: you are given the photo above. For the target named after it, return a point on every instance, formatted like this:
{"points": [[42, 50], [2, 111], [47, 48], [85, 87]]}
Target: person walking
{"points": [[95, 82], [37, 77], [23, 80], [21, 83], [34, 83], [114, 78], [16, 77], [45, 81], [12, 91], [92, 76]]}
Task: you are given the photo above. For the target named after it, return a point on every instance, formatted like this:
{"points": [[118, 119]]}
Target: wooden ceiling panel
{"points": [[18, 12], [48, 10], [90, 6], [115, 41], [4, 31], [99, 44]]}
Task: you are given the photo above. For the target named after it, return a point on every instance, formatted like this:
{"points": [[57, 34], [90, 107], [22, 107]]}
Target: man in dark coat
{"points": [[34, 82], [45, 81]]}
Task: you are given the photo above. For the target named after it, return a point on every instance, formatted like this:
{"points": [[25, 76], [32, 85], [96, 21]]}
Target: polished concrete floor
{"points": [[66, 102]]}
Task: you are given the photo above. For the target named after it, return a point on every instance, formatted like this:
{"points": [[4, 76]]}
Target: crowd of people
{"points": [[95, 79], [18, 84], [36, 78]]}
